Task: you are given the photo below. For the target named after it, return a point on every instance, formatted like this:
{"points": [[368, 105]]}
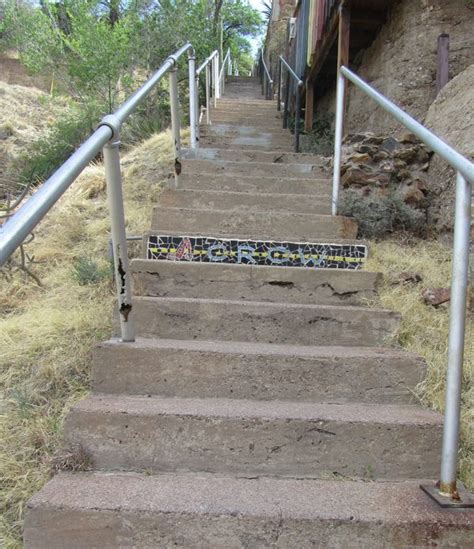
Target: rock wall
{"points": [[401, 62], [275, 41]]}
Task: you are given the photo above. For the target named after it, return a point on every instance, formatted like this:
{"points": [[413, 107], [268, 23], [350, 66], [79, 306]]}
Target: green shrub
{"points": [[48, 153], [379, 215], [86, 271]]}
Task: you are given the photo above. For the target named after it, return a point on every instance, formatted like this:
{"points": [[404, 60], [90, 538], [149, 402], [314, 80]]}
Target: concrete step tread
{"points": [[380, 414], [384, 501], [237, 195], [275, 157], [322, 179], [258, 349]]}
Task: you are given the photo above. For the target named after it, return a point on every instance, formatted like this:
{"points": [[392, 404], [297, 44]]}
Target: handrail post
{"points": [[192, 99], [287, 100], [298, 116], [208, 95], [279, 86], [217, 94], [457, 327], [339, 125], [198, 112], [175, 122], [113, 179]]}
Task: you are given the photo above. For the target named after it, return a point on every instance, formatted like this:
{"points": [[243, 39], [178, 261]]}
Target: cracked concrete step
{"points": [[217, 369], [154, 278], [247, 143], [235, 201], [255, 169], [232, 130], [263, 322], [274, 157], [280, 226], [251, 438], [78, 510], [254, 185]]}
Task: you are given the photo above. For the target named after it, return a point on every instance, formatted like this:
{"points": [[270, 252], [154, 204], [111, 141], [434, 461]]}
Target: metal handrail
{"points": [[300, 84], [267, 84], [446, 489], [221, 78], [210, 70], [107, 137]]}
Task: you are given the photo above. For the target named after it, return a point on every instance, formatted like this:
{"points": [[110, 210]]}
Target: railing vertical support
{"points": [[279, 86], [208, 95], [217, 94], [113, 179], [192, 100], [175, 121], [297, 117], [341, 84], [197, 110], [287, 100], [457, 326]]}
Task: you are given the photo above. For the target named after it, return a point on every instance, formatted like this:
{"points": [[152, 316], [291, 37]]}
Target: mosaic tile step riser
{"points": [[204, 249]]}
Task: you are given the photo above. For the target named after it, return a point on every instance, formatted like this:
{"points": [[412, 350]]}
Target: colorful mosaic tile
{"points": [[206, 249]]}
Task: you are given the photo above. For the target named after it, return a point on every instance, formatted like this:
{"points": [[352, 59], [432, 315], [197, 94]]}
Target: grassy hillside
{"points": [[46, 333]]}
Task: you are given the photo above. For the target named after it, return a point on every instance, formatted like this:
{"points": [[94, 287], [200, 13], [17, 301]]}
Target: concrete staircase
{"points": [[262, 405]]}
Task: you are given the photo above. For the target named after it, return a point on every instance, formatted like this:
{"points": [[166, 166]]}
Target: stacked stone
{"points": [[378, 164]]}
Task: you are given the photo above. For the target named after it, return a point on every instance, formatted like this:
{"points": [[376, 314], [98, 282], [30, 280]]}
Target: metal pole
{"points": [[297, 118], [341, 84], [208, 95], [457, 327], [287, 100], [279, 86], [217, 94], [198, 113], [175, 122], [113, 179], [192, 100]]}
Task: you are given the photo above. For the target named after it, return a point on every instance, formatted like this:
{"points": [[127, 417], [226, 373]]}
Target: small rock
{"points": [[381, 155], [408, 138], [413, 196], [372, 139], [390, 144], [406, 277], [365, 148], [408, 154], [436, 296], [359, 158], [357, 177]]}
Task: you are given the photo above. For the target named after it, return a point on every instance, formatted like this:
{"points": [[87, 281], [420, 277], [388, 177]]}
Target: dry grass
{"points": [[424, 329], [46, 334]]}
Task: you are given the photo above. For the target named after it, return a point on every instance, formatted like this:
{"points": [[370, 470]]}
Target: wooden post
{"points": [[442, 74], [343, 48], [308, 114]]}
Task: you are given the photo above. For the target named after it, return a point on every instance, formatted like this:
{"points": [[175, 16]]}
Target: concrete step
{"points": [[217, 369], [248, 143], [267, 225], [262, 103], [274, 157], [232, 130], [79, 510], [265, 121], [252, 438], [256, 169], [230, 201], [260, 184], [257, 283], [263, 322]]}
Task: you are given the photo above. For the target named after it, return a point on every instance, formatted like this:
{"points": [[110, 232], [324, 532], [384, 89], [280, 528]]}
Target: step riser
{"points": [[257, 169], [205, 374], [201, 200], [82, 510], [271, 225], [254, 322], [254, 185], [219, 153], [254, 446], [273, 284], [245, 144]]}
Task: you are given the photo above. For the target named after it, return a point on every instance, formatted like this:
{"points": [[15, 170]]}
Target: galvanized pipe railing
{"points": [[222, 74], [299, 87], [107, 138], [267, 81], [208, 64], [446, 489]]}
